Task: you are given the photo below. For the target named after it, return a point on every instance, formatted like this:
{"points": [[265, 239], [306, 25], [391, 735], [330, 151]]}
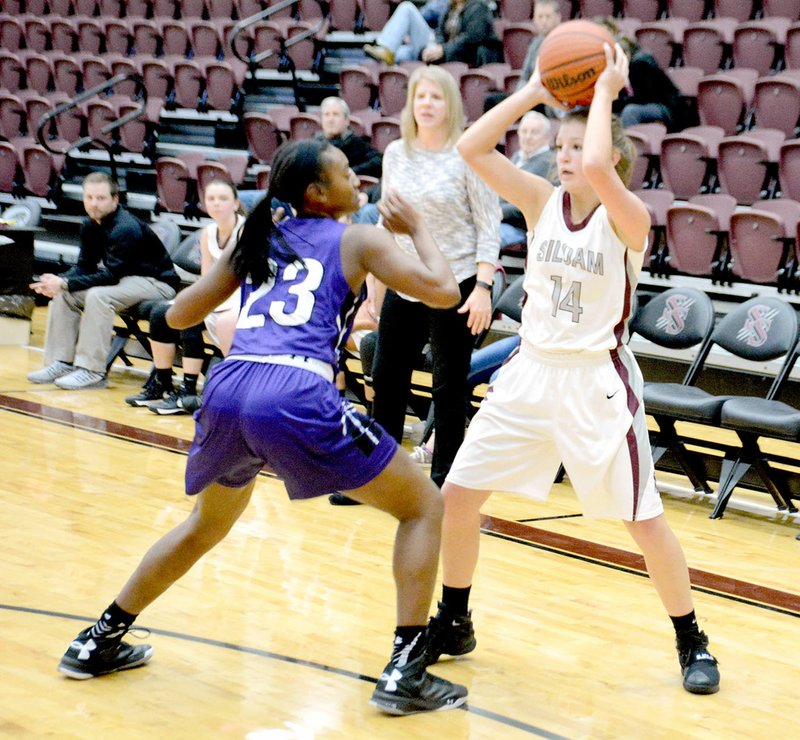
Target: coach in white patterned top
{"points": [[463, 215]]}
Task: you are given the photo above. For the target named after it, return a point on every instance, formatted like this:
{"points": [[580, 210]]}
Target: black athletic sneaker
{"points": [[88, 656], [190, 403], [151, 392], [410, 689], [699, 667], [449, 634], [339, 499], [171, 405]]}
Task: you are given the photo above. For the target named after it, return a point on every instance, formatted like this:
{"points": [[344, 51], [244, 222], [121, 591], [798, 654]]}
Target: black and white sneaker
{"points": [[171, 405], [190, 403], [450, 634], [409, 689], [89, 656], [699, 667], [151, 392]]}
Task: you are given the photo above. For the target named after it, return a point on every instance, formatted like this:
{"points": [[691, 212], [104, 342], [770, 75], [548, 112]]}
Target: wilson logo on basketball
{"points": [[756, 327], [566, 80]]}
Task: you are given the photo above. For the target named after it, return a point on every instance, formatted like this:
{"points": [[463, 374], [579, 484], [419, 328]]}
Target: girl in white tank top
{"points": [[221, 202], [573, 392]]}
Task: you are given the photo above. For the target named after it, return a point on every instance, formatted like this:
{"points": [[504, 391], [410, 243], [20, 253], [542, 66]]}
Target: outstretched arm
{"points": [[477, 146], [194, 303], [368, 249], [628, 215]]}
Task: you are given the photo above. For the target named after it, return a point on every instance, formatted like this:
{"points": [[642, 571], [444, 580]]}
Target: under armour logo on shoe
{"points": [[84, 648], [391, 679]]}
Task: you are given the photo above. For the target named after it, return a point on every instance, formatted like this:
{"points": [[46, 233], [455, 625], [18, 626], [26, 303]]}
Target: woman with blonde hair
{"points": [[463, 215]]}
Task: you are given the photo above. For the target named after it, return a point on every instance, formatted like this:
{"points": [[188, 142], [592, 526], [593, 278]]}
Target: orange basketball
{"points": [[571, 59]]}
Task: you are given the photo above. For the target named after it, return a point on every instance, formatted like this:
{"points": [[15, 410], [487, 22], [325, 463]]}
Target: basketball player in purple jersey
{"points": [[273, 403], [573, 392]]}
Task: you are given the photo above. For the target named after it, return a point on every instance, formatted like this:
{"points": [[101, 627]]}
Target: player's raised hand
{"points": [[399, 216], [615, 76], [536, 87]]}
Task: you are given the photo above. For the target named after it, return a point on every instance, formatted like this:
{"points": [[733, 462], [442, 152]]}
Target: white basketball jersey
{"points": [[580, 279], [212, 231]]}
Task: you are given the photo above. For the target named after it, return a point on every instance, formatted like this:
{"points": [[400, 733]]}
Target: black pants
{"points": [[191, 339], [405, 328]]}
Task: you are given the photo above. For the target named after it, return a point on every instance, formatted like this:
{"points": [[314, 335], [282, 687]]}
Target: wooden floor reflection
{"points": [[281, 631]]}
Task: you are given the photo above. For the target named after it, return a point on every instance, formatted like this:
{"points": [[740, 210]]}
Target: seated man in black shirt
{"points": [[335, 120], [121, 263], [363, 157]]}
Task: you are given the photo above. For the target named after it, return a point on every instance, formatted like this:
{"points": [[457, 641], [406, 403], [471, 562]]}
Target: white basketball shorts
{"points": [[584, 410]]}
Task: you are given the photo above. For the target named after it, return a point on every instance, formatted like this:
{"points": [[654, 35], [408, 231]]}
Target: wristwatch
{"points": [[483, 284]]}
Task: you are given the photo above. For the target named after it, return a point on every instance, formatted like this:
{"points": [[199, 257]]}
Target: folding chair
{"points": [[758, 331], [751, 418]]}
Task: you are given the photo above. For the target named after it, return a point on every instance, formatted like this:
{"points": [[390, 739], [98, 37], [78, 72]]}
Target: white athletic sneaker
{"points": [[50, 373], [81, 379], [422, 455]]}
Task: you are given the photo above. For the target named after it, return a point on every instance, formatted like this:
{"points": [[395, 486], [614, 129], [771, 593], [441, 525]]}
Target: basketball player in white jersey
{"points": [[573, 391]]}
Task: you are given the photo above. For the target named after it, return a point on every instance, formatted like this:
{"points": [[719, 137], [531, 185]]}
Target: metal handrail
{"points": [[254, 60], [141, 95]]}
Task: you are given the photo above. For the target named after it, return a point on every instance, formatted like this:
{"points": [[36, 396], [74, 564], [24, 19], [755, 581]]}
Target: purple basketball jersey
{"points": [[307, 308], [289, 418]]}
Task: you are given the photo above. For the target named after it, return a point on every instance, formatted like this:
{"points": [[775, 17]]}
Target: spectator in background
{"points": [[221, 202], [535, 155], [465, 33], [546, 16], [335, 120], [433, 10], [121, 263], [463, 215], [363, 157], [651, 96]]}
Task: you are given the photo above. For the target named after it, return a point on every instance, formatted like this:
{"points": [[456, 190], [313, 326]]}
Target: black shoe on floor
{"points": [[190, 403], [409, 689], [172, 404], [151, 392], [339, 499], [699, 667], [88, 656], [449, 634]]}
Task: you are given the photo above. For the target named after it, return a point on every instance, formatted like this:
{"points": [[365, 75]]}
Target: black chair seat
{"points": [[761, 417], [683, 402]]}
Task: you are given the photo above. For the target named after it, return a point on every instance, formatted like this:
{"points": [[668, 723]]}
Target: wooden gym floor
{"points": [[280, 632]]}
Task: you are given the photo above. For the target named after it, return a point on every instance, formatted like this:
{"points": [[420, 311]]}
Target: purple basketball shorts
{"points": [[288, 419]]}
